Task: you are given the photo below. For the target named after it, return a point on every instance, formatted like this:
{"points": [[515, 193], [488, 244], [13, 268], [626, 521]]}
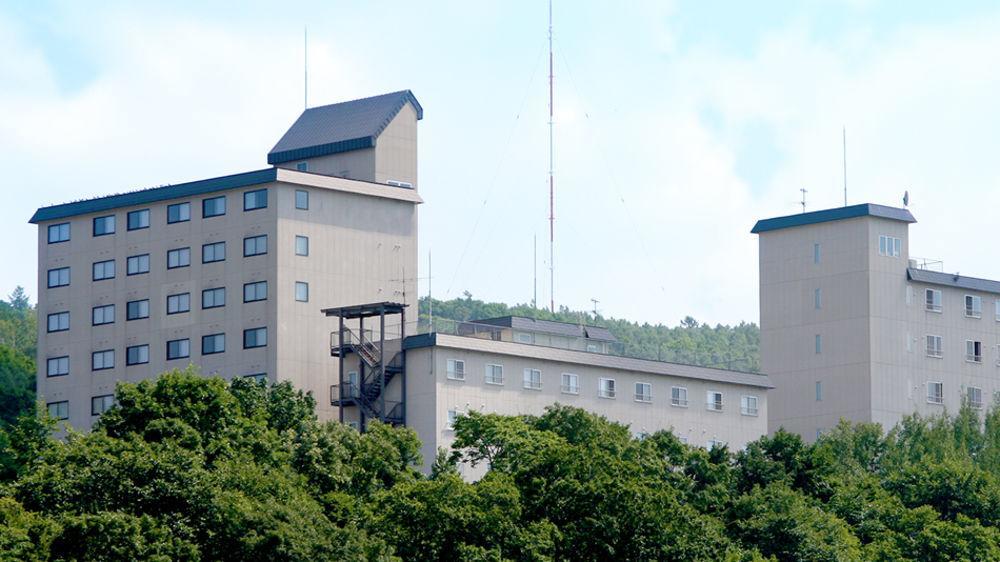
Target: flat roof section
{"points": [[827, 215], [953, 280]]}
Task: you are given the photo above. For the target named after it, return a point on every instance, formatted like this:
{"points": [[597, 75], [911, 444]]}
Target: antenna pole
{"points": [[430, 291], [534, 299], [552, 215], [845, 166], [803, 202], [305, 68]]}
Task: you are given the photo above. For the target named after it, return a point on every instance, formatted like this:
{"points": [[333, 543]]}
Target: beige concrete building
{"points": [[853, 327], [229, 273]]}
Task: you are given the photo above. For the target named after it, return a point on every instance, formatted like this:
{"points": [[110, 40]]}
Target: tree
{"points": [[17, 385]]}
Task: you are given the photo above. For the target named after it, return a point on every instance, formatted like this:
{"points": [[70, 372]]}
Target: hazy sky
{"points": [[678, 125]]}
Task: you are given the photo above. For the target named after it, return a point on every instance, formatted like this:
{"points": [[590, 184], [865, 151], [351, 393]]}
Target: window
{"points": [[255, 245], [59, 410], [137, 354], [570, 384], [606, 388], [213, 252], [714, 444], [817, 298], [532, 379], [255, 291], [58, 322], [103, 315], [525, 338], [104, 270], [973, 306], [101, 404], [213, 207], [302, 167], [456, 369], [679, 396], [452, 418], [259, 378], [214, 343], [643, 392], [256, 199], [302, 198], [301, 246], [593, 348], [178, 212], [181, 257], [213, 298], [819, 391], [816, 252], [974, 395], [178, 349], [935, 393], [101, 360], [254, 337], [57, 366], [974, 351], [178, 303], [996, 311], [713, 401], [138, 220], [494, 374], [136, 265], [932, 300], [889, 246], [819, 344], [59, 232], [104, 225], [748, 406], [135, 310], [59, 277], [934, 346], [302, 291]]}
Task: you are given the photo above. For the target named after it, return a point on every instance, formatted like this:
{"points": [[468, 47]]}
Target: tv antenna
{"points": [[595, 301], [552, 215], [803, 202], [305, 67], [845, 166]]}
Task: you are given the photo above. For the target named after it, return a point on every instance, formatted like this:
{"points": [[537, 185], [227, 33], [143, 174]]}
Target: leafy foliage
{"points": [[18, 341]]}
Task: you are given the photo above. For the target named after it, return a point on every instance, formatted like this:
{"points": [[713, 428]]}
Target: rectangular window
{"points": [[137, 220], [59, 233], [816, 252], [301, 246], [178, 349], [889, 246], [101, 404], [137, 354], [181, 257], [214, 343], [456, 369], [713, 401], [178, 303], [136, 310], [136, 265], [643, 392], [606, 388], [104, 225], [996, 311], [259, 378], [178, 212], [254, 337], [932, 300], [213, 298], [213, 252], [452, 418], [679, 396], [819, 391], [59, 410], [103, 315], [934, 346], [974, 395], [255, 245], [58, 322], [104, 270], [256, 199], [302, 291], [570, 384], [525, 338], [213, 207], [532, 379], [973, 306], [302, 166], [819, 344], [57, 366], [302, 199], [253, 292], [935, 393], [974, 351], [101, 360], [494, 374], [748, 405], [59, 277], [818, 299]]}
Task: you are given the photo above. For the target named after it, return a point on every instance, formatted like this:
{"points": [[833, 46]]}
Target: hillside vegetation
{"points": [[18, 341]]}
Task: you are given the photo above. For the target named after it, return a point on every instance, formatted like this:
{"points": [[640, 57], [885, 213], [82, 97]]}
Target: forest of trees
{"points": [[188, 467], [727, 347], [18, 340]]}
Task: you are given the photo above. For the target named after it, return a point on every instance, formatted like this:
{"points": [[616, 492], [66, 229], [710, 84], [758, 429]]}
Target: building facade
{"points": [[853, 328]]}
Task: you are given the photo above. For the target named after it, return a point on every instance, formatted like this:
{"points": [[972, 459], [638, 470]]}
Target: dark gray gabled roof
{"points": [[953, 280], [566, 329], [839, 213], [340, 127]]}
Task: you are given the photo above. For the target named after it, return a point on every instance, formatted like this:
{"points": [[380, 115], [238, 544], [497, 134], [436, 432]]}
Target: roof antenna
{"points": [[803, 202], [305, 67], [552, 216], [595, 301], [845, 165]]}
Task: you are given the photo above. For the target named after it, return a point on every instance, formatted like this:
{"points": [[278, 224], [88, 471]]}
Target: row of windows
{"points": [[973, 349], [176, 349], [177, 212], [176, 304], [973, 394], [607, 387], [973, 304]]}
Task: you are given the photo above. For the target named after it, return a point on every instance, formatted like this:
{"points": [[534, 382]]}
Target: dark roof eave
{"points": [[828, 215], [321, 150]]}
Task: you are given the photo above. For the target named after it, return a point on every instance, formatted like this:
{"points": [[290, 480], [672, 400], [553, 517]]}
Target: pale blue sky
{"points": [[678, 125]]}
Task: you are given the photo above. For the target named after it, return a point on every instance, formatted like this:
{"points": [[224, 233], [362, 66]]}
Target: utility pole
{"points": [[552, 214]]}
